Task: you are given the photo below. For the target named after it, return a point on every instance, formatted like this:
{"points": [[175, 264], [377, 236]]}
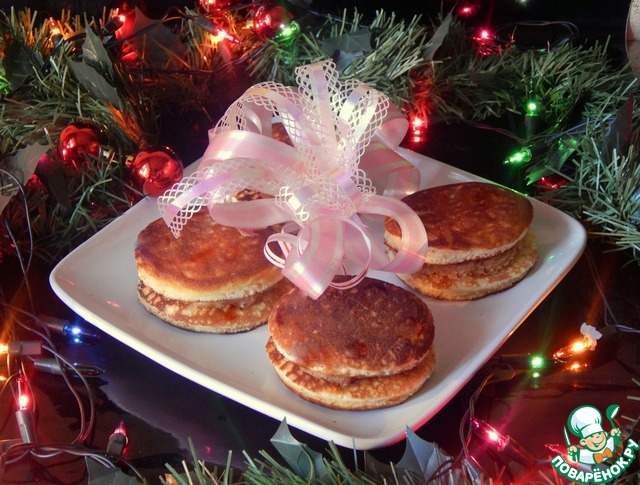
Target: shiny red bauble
{"points": [[79, 141], [155, 169]]}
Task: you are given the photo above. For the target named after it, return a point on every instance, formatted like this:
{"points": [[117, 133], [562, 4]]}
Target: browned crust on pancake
{"points": [[468, 220], [230, 316], [375, 328], [475, 279], [207, 262], [358, 394]]}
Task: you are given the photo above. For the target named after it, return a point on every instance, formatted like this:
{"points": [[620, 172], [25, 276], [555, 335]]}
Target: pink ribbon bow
{"points": [[324, 185]]}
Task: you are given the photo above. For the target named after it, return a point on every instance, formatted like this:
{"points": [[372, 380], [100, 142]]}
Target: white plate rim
{"points": [[75, 286]]}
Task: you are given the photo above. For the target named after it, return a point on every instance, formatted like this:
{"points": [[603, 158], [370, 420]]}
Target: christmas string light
{"points": [[504, 368], [52, 366], [520, 157], [117, 440], [417, 128], [532, 108], [501, 443], [74, 332], [465, 429], [577, 367], [565, 358], [551, 182], [24, 413], [531, 117], [209, 5], [19, 451], [485, 39], [219, 35], [467, 10], [572, 364], [484, 36], [23, 353], [112, 26], [287, 32], [587, 341]]}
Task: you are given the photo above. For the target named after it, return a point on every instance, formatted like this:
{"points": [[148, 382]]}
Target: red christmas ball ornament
{"points": [[78, 141], [155, 169], [270, 21]]}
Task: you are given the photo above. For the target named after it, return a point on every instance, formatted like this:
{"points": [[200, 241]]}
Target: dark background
{"points": [[162, 410]]}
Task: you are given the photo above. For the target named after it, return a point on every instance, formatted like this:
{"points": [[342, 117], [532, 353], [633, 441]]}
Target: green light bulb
{"points": [[288, 31], [537, 362], [519, 157]]}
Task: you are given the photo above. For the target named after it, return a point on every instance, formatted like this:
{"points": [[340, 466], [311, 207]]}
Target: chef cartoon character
{"points": [[596, 445]]}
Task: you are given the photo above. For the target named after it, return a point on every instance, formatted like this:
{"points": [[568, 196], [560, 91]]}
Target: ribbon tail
{"points": [[313, 266], [394, 127], [413, 245], [391, 174]]}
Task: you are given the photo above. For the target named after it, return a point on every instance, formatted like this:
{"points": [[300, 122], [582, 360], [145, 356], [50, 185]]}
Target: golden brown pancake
{"points": [[207, 262], [357, 394], [211, 279], [468, 220], [375, 334], [223, 316], [479, 240], [474, 279]]}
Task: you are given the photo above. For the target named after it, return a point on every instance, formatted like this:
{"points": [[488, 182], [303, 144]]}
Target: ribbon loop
{"points": [[340, 154]]}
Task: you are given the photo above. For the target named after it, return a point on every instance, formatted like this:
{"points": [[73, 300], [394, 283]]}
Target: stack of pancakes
{"points": [[366, 347], [211, 279], [479, 240]]}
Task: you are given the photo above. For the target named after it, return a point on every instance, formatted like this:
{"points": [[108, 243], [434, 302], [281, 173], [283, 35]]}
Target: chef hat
{"points": [[584, 421]]}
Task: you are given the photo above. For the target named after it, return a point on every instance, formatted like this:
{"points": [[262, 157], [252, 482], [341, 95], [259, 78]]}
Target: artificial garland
{"points": [[59, 73], [572, 113], [130, 75]]}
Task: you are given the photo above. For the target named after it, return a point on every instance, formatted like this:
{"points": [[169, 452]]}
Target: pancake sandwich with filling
{"points": [[480, 240], [367, 347], [211, 279]]}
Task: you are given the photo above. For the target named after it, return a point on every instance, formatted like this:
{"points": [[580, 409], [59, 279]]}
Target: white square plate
{"points": [[98, 281]]}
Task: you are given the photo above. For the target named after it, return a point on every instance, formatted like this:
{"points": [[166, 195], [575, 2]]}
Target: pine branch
{"points": [[396, 53]]}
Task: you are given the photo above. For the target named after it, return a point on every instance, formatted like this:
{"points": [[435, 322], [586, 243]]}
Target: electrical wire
{"points": [[465, 429], [48, 451], [86, 426], [6, 387], [572, 32], [24, 267], [45, 335], [20, 451]]}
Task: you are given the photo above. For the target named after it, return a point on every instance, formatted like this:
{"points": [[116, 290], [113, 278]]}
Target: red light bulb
{"points": [[24, 402], [24, 399], [485, 35], [489, 434], [466, 10]]}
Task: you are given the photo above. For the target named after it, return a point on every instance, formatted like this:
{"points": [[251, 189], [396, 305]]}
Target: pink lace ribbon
{"points": [[324, 184]]}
